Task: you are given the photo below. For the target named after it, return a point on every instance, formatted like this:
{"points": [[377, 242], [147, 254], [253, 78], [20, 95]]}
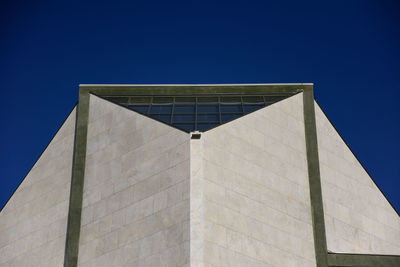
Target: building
{"points": [[198, 175]]}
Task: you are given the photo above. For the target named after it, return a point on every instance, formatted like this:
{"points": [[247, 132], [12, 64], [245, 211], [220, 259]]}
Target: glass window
{"points": [[140, 108], [275, 98], [206, 126], [197, 112], [162, 117], [185, 99], [205, 99], [207, 108], [139, 100], [253, 99], [231, 108], [183, 118], [229, 117], [252, 107], [184, 108], [189, 127], [236, 99], [162, 99], [208, 117], [161, 109]]}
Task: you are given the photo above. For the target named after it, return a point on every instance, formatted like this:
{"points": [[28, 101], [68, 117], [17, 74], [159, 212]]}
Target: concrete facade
{"points": [[33, 223], [136, 191], [358, 217], [237, 196], [250, 186]]}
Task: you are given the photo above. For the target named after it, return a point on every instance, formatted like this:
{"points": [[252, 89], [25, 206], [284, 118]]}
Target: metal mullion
{"points": [[209, 113], [195, 115], [219, 110], [173, 108], [241, 100], [150, 105]]}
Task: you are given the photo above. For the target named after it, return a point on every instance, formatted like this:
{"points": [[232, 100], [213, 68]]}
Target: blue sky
{"points": [[348, 49]]}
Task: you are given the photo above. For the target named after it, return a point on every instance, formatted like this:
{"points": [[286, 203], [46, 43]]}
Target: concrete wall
{"points": [[239, 196], [136, 191], [33, 223], [358, 218], [250, 201]]}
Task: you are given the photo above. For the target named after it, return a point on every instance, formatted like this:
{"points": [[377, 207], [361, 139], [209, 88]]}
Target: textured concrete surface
{"points": [[136, 191], [33, 223], [238, 196], [249, 191], [358, 218]]}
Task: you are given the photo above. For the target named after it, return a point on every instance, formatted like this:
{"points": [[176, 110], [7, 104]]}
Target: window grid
{"points": [[173, 109], [195, 115], [222, 108]]}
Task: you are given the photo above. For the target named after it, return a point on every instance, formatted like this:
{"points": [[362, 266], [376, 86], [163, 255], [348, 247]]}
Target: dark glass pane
{"points": [[268, 103], [206, 126], [231, 107], [163, 99], [140, 108], [231, 99], [140, 100], [253, 99], [274, 99], [162, 117], [185, 99], [161, 109], [188, 127], [207, 108], [183, 118], [252, 107], [207, 99], [182, 108], [229, 117], [208, 117]]}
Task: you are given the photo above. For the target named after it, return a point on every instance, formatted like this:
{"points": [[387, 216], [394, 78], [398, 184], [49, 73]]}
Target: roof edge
{"points": [[199, 84]]}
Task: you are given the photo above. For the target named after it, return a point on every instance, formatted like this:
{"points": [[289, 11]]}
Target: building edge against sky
{"points": [[275, 187]]}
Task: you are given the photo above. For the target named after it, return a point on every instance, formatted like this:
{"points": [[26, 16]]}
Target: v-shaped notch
{"points": [[197, 113]]}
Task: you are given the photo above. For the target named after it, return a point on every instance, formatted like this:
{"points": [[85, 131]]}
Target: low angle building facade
{"points": [[198, 175]]}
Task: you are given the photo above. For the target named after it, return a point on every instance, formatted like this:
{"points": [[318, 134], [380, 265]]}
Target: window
{"points": [[196, 113]]}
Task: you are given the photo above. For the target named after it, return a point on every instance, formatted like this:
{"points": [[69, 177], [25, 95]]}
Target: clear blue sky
{"points": [[349, 49]]}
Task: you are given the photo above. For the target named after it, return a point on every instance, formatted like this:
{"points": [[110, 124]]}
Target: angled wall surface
{"points": [[136, 190], [358, 217], [33, 223], [250, 196], [147, 194]]}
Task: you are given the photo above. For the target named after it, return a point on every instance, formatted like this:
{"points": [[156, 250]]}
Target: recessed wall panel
{"points": [[136, 190]]}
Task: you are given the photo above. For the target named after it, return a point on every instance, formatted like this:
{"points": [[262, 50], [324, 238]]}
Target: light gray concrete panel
{"points": [[358, 217], [249, 191], [33, 223], [136, 191]]}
